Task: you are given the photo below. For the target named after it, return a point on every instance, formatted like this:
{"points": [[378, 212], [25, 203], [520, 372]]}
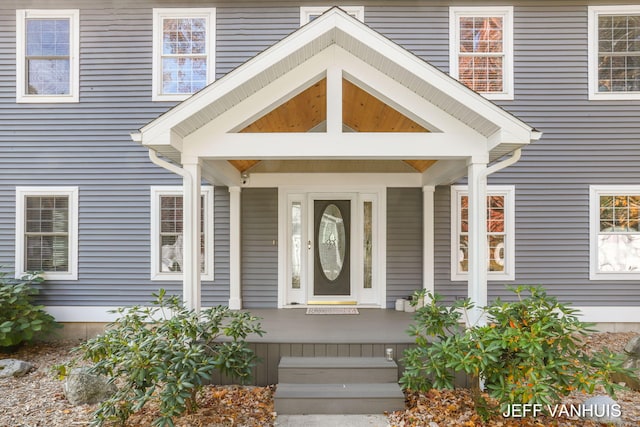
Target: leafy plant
{"points": [[20, 320], [530, 350], [169, 352]]}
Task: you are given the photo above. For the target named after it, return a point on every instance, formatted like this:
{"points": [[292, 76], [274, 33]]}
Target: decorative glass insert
{"points": [[48, 56], [368, 244], [296, 244], [47, 233], [481, 53], [496, 234], [618, 53], [332, 242], [184, 55], [171, 233], [619, 233]]}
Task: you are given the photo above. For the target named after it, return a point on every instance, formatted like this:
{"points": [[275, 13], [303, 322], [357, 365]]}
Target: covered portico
{"points": [[334, 112]]}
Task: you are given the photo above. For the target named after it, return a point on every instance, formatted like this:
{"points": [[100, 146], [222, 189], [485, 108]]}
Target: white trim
{"points": [[508, 191], [159, 14], [72, 194], [306, 12], [428, 237], [506, 12], [74, 55], [595, 191], [594, 12], [156, 192], [235, 248], [302, 180]]}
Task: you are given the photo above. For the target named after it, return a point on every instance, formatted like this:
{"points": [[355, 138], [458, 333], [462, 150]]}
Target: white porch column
{"points": [[235, 296], [191, 286], [477, 285], [428, 239]]}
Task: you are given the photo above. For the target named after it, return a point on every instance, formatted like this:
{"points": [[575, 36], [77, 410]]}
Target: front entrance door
{"points": [[332, 248]]}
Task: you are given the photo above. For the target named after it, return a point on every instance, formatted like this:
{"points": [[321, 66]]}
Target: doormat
{"points": [[332, 310]]}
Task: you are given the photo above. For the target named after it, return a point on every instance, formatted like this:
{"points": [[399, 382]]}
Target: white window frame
{"points": [[74, 52], [158, 15], [306, 12], [508, 192], [506, 12], [208, 197], [594, 13], [21, 194], [595, 191]]}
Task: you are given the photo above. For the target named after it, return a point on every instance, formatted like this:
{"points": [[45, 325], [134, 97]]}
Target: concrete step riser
{"points": [[337, 375]]}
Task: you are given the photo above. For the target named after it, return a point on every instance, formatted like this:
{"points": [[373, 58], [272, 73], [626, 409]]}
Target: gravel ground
{"points": [[37, 399]]}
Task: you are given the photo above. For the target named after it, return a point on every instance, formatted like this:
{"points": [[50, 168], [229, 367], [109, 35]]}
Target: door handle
{"points": [[309, 245]]}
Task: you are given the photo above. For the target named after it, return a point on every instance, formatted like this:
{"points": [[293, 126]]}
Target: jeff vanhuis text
{"points": [[521, 410]]}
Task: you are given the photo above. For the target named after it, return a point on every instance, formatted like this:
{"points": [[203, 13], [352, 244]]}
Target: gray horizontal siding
{"points": [[404, 242], [259, 225]]}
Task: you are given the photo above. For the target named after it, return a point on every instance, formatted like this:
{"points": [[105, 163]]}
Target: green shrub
{"points": [[530, 350], [20, 320], [169, 352]]}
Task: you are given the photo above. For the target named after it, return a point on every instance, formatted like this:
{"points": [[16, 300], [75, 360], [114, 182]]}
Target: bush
{"points": [[20, 320], [530, 350], [169, 352]]}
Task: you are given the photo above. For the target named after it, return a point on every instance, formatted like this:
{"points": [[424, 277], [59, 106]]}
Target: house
{"points": [[277, 155]]}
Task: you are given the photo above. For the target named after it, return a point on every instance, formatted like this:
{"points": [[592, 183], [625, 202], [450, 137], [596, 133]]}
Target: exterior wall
{"points": [[88, 145], [259, 233], [404, 242]]}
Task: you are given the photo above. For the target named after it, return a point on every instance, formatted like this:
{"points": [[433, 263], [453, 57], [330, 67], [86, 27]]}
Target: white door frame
{"points": [[304, 196]]}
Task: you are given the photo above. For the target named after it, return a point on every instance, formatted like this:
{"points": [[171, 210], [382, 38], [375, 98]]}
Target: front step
{"points": [[361, 398], [336, 370], [337, 385]]}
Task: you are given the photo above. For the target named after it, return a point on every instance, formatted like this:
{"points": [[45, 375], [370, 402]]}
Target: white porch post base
{"points": [[477, 266], [235, 291]]}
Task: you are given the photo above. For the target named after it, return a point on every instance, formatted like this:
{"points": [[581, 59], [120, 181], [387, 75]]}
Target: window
{"points": [[309, 13], [614, 52], [500, 232], [47, 63], [47, 231], [481, 49], [615, 232], [183, 52], [166, 233]]}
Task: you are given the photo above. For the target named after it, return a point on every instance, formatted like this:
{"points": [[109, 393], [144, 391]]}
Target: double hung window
{"points": [[481, 51], [183, 52], [47, 55], [614, 52]]}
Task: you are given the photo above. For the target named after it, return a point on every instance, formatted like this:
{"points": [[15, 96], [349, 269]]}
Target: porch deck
{"points": [[370, 326], [292, 332]]}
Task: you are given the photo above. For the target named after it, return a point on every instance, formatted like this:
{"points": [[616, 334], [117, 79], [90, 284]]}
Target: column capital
{"points": [[428, 188], [235, 189]]}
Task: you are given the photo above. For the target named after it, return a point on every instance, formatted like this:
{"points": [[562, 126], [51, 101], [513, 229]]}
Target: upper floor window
{"points": [[183, 52], [47, 63], [167, 213], [614, 52], [47, 231], [481, 49], [309, 13], [615, 232], [500, 232]]}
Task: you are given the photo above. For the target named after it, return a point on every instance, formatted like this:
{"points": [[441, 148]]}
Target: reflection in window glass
{"points": [[171, 233], [296, 244], [618, 53], [619, 234], [481, 53], [368, 244], [48, 57], [184, 55], [496, 233]]}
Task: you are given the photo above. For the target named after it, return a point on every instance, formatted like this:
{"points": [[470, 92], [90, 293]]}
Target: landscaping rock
{"points": [[82, 388], [632, 362], [14, 368], [602, 409]]}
